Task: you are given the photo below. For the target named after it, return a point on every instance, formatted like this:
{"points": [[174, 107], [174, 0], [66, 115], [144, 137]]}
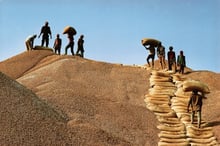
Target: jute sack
{"points": [[69, 30], [159, 73], [168, 120], [163, 127], [161, 143], [202, 140], [160, 78], [170, 114], [181, 93], [173, 140], [42, 48], [199, 129], [164, 87], [213, 143], [192, 134], [163, 84], [181, 100], [171, 136], [191, 85], [174, 132], [153, 91]]}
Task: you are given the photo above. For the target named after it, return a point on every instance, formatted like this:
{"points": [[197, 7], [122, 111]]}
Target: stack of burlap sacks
{"points": [[168, 98], [158, 100]]}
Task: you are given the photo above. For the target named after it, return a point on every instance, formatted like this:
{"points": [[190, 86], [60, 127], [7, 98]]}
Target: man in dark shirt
{"points": [[196, 105], [171, 56], [45, 30], [57, 44], [80, 49]]}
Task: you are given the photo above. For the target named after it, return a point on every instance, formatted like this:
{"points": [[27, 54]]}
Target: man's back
{"points": [[196, 102]]}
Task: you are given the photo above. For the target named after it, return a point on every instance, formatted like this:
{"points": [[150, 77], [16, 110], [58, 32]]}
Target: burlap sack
{"points": [[191, 85], [42, 48]]}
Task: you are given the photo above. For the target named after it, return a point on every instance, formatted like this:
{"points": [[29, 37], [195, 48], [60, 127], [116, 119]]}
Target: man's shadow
{"points": [[213, 124]]}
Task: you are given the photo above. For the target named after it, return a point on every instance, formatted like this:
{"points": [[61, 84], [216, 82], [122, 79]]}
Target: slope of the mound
{"points": [[211, 105], [16, 66], [104, 102], [25, 119]]}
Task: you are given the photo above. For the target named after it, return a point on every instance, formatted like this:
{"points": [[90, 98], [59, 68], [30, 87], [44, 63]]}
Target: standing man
{"points": [[45, 30], [181, 62], [29, 42], [151, 54], [196, 105], [80, 46], [70, 44], [57, 44], [161, 55], [171, 58]]}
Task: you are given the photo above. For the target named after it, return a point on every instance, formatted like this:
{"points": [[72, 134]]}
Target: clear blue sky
{"points": [[113, 29]]}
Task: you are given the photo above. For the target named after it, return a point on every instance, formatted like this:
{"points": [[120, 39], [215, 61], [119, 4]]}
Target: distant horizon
{"points": [[113, 29]]}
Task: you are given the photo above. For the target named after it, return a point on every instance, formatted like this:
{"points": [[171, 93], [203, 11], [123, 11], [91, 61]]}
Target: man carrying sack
{"points": [[196, 105]]}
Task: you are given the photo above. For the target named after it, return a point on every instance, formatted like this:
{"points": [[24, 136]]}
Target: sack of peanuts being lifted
{"points": [[191, 85]]}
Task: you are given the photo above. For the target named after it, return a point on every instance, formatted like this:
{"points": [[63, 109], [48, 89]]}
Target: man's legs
{"points": [[153, 56], [27, 46], [199, 119], [148, 59], [42, 42], [170, 65], [47, 41], [192, 116], [164, 62], [71, 47], [67, 48]]}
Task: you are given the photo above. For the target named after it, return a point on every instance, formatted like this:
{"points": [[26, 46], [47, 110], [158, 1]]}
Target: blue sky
{"points": [[113, 29]]}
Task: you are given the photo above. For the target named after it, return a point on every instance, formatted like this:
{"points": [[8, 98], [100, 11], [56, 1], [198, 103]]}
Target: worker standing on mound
{"points": [[196, 105], [161, 55], [171, 59], [80, 49], [29, 42], [181, 62], [45, 30], [57, 44]]}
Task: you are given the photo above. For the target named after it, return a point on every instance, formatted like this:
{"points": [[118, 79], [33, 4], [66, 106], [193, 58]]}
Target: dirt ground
{"points": [[70, 100]]}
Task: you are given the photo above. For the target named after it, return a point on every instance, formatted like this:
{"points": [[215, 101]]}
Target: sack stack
{"points": [[158, 100], [168, 98]]}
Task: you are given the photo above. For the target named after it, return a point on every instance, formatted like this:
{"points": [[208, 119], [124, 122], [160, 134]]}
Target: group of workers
{"points": [[195, 100], [46, 34], [171, 57]]}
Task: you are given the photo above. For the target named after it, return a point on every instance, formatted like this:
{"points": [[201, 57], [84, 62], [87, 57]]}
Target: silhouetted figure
{"points": [[70, 44], [57, 44], [161, 55], [45, 30], [196, 105], [151, 54], [181, 62], [171, 58], [29, 42], [80, 49]]}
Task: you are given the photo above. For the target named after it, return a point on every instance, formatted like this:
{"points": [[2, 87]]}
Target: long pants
{"points": [[70, 45], [28, 45], [45, 39], [198, 117]]}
